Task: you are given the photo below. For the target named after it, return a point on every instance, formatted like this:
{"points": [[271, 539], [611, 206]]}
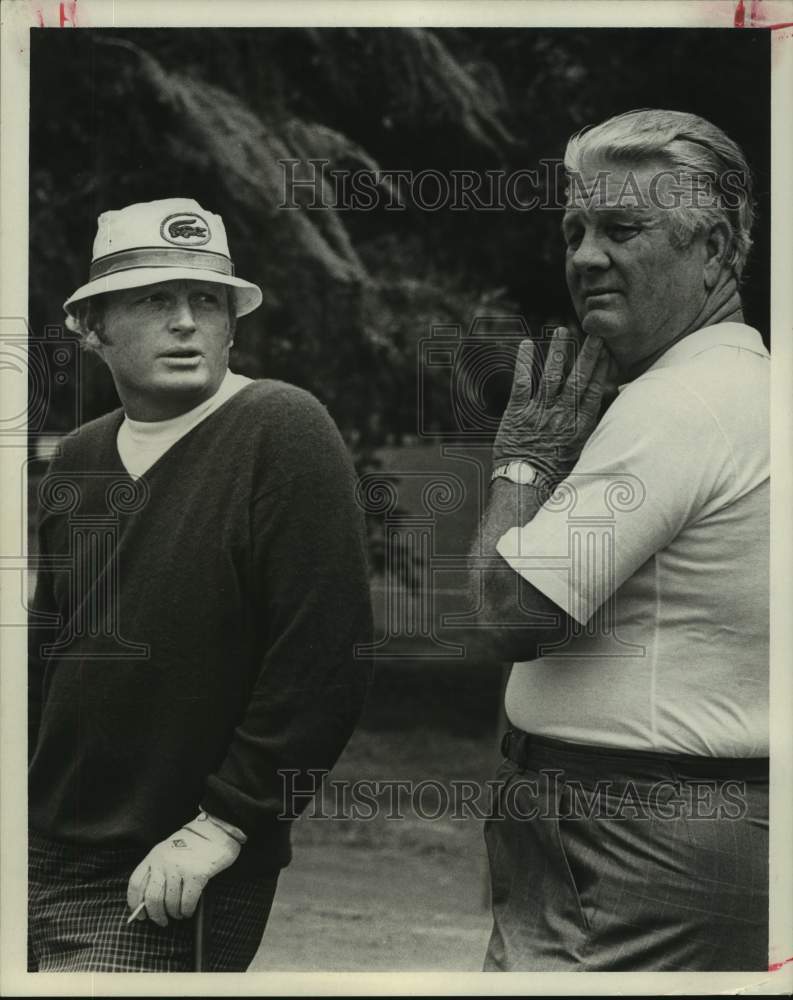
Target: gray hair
{"points": [[695, 150]]}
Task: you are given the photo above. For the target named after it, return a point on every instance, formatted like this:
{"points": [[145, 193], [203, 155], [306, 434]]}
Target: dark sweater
{"points": [[237, 583]]}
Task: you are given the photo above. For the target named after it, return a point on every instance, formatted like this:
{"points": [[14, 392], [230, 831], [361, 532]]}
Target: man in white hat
{"points": [[203, 590]]}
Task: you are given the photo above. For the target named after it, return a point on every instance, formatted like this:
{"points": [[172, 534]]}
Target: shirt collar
{"points": [[720, 335], [150, 428]]}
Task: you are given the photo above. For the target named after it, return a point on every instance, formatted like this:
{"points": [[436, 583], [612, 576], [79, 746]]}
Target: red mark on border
{"points": [[776, 966], [755, 17], [68, 13]]}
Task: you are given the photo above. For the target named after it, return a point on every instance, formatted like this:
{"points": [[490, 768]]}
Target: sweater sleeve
{"points": [[312, 596]]}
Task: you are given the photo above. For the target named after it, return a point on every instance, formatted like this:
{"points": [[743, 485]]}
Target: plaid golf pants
{"points": [[77, 916], [618, 861]]}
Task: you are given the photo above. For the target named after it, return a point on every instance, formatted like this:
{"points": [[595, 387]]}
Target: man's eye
{"points": [[621, 233], [207, 299], [156, 298], [572, 238]]}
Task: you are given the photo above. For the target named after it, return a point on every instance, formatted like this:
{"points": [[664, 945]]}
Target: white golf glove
{"points": [[170, 879]]}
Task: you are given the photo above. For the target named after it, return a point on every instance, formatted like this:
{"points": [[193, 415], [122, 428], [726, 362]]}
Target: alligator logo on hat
{"points": [[185, 230]]}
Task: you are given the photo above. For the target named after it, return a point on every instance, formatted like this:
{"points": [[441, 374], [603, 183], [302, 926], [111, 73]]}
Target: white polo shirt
{"points": [[658, 545]]}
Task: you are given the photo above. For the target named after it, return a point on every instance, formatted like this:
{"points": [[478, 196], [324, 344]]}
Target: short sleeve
{"points": [[653, 465]]}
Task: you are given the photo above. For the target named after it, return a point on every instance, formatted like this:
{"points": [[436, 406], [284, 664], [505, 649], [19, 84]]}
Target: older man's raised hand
{"points": [[549, 424]]}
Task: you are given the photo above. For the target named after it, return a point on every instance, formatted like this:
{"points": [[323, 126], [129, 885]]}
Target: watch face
{"points": [[522, 473]]}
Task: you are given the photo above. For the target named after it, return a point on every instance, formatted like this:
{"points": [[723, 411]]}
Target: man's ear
{"points": [[717, 244], [93, 343]]}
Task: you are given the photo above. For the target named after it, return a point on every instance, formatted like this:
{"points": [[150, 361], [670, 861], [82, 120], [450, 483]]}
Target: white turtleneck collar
{"points": [[142, 443]]}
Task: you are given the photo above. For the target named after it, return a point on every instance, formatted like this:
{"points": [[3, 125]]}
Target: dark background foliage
{"points": [[124, 115]]}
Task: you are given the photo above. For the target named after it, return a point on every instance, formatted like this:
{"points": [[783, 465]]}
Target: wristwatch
{"points": [[520, 471]]}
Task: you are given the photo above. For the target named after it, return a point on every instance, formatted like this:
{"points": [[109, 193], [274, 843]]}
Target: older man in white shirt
{"points": [[622, 563]]}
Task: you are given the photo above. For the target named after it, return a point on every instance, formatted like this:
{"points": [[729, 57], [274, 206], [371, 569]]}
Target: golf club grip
{"points": [[199, 935]]}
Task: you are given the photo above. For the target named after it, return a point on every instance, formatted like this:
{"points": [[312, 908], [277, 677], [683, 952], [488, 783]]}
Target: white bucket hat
{"points": [[164, 240]]}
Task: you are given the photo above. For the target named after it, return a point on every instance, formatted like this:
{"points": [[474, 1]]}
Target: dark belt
{"points": [[585, 761]]}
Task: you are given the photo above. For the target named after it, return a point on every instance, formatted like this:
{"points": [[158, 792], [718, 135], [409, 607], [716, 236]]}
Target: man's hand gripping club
{"points": [[170, 879]]}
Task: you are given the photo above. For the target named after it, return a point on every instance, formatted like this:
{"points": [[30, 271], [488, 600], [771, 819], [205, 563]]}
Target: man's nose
{"points": [[590, 254], [182, 319]]}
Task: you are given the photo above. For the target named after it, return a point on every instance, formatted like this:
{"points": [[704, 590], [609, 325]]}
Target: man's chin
{"points": [[601, 323], [182, 381]]}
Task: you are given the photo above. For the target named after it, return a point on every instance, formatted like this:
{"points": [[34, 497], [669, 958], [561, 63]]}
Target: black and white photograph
{"points": [[396, 463]]}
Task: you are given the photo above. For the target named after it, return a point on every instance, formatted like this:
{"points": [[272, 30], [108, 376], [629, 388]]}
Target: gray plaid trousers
{"points": [[77, 916]]}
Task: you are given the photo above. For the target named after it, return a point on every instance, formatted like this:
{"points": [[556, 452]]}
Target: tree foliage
{"points": [[119, 116], [124, 115]]}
